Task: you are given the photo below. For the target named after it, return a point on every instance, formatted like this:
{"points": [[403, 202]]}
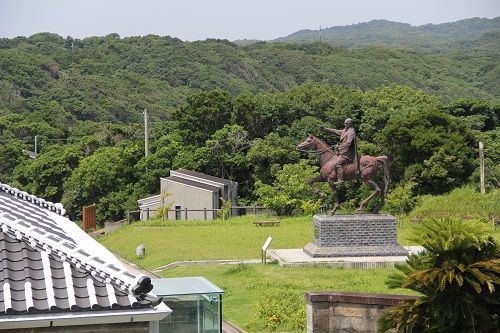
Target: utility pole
{"points": [[146, 133], [481, 167], [320, 34], [36, 144]]}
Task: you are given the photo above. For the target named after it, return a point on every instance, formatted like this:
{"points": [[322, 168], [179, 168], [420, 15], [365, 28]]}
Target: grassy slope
{"points": [[465, 203]]}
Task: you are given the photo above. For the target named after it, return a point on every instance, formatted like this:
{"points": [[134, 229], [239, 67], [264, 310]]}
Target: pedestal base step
{"points": [[355, 251]]}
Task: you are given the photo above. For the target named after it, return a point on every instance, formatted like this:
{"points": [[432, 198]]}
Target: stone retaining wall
{"points": [[347, 312]]}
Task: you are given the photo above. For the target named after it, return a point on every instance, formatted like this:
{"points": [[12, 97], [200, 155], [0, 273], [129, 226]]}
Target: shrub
{"points": [[310, 207], [401, 199], [289, 190], [162, 212], [457, 274], [225, 211], [282, 310]]}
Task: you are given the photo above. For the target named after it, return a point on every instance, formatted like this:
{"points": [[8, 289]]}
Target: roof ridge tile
{"points": [[49, 205], [70, 251]]}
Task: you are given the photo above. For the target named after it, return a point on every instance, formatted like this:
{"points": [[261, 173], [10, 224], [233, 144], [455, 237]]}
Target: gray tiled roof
{"points": [[203, 176], [193, 183], [48, 264]]}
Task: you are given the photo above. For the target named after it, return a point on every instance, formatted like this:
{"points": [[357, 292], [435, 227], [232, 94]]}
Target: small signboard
{"points": [[267, 243], [265, 247]]}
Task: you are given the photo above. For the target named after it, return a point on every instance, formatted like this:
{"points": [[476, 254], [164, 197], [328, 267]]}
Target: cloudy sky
{"points": [[225, 19]]}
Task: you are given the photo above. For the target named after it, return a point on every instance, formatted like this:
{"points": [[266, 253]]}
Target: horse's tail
{"points": [[384, 160]]}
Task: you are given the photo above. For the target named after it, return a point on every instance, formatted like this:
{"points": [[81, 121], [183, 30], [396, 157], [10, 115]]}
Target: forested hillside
{"points": [[465, 35], [112, 79], [235, 112]]}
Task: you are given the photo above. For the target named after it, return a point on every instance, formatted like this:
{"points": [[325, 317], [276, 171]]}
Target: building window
{"points": [[177, 212]]}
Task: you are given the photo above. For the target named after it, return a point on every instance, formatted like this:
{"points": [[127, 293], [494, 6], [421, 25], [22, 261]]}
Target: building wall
{"points": [[190, 197], [230, 192], [138, 327], [347, 312], [149, 207]]}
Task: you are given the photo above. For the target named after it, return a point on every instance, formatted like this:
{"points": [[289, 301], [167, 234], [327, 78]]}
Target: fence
{"points": [[184, 214], [251, 210]]}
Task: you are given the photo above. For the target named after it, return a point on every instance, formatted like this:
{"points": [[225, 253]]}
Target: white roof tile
{"points": [[48, 264]]}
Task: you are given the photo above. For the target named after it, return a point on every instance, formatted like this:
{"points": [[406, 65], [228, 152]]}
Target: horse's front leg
{"points": [[312, 181], [336, 205]]}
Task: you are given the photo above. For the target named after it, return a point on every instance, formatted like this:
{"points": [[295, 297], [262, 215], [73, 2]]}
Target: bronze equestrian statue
{"points": [[343, 164]]}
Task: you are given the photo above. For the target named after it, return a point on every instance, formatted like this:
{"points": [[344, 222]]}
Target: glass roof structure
{"points": [[197, 285]]}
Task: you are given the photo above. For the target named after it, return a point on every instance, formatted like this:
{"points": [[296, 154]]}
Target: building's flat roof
{"points": [[204, 176], [193, 183], [150, 200], [197, 285]]}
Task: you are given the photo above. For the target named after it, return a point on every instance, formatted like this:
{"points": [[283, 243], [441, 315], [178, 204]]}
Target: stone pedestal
{"points": [[370, 235]]}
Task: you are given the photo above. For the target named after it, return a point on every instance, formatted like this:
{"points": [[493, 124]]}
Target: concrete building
{"points": [[56, 278], [192, 195]]}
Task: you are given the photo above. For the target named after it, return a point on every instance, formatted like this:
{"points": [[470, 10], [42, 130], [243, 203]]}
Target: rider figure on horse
{"points": [[347, 150]]}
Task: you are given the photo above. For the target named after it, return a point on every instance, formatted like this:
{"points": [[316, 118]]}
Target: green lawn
{"points": [[247, 285], [236, 238]]}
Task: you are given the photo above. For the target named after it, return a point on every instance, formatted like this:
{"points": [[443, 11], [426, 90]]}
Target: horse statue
{"points": [[368, 169]]}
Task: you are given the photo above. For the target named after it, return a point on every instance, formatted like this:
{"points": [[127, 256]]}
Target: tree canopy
{"points": [[234, 111]]}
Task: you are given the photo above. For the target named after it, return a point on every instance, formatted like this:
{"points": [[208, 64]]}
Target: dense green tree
{"points": [[225, 153], [99, 177], [301, 128], [165, 153], [381, 104], [430, 147], [269, 154], [289, 191], [478, 115], [203, 114], [12, 156], [46, 175], [23, 127]]}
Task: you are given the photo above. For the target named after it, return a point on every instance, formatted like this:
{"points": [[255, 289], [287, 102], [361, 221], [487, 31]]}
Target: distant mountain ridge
{"points": [[112, 78], [468, 33]]}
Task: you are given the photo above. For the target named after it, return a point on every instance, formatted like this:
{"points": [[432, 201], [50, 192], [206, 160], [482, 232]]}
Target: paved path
{"points": [[134, 268], [206, 262], [297, 257], [228, 327]]}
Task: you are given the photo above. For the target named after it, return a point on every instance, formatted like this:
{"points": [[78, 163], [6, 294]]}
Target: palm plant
{"points": [[457, 275]]}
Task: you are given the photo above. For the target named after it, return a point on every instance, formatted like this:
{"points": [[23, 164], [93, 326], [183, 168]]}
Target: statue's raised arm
{"points": [[331, 130]]}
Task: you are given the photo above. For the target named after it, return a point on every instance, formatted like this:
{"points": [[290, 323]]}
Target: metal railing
{"points": [[184, 213]]}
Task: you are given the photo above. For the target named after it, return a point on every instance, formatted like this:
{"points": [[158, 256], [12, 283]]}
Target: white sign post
{"points": [[481, 167], [264, 249]]}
